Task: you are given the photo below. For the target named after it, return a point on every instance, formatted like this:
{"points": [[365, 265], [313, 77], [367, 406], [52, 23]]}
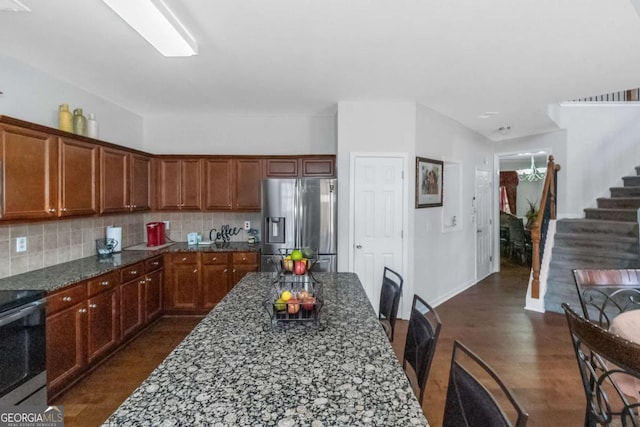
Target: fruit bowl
{"points": [[294, 299], [294, 261]]}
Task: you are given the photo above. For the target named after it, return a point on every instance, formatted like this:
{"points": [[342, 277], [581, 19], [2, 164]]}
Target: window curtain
{"points": [[509, 180]]}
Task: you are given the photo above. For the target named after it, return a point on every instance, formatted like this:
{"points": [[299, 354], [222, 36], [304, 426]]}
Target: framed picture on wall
{"points": [[429, 177]]}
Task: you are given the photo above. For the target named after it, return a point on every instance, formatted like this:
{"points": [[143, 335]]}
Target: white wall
{"points": [[603, 145], [366, 127], [444, 262], [240, 134], [34, 96]]}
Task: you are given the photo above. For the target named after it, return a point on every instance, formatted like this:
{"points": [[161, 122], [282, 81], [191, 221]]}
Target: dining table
{"points": [[240, 366]]}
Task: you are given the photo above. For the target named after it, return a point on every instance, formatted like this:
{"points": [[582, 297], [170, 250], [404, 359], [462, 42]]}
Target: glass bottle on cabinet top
{"points": [[92, 126], [79, 122], [65, 121]]}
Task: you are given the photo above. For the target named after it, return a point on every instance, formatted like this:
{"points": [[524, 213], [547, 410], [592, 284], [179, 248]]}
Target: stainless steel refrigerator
{"points": [[300, 213]]}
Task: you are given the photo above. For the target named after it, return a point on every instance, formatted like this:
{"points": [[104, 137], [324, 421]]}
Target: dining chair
{"points": [[422, 336], [605, 293], [610, 371], [389, 300], [476, 396]]}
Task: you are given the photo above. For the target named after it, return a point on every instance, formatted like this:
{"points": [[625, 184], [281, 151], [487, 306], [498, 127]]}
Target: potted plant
{"points": [[532, 213]]}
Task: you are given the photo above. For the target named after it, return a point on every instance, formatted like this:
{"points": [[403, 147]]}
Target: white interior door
{"points": [[482, 206], [378, 220]]}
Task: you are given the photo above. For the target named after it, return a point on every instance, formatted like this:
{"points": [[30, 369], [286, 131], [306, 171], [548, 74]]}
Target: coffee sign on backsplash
{"points": [[225, 234]]}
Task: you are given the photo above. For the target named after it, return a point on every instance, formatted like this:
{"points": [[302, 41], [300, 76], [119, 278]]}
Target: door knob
{"points": [[358, 246]]}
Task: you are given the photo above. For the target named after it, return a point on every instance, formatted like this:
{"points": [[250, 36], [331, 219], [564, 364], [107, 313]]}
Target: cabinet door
{"points": [[215, 283], [140, 182], [78, 178], [29, 173], [182, 284], [113, 180], [131, 307], [218, 191], [321, 166], [102, 325], [281, 168], [168, 189], [153, 296], [66, 356], [191, 176], [247, 189]]}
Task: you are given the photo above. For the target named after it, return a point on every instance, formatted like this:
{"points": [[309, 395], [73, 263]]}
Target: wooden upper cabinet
{"points": [[29, 173], [300, 167], [126, 181], [217, 185], [248, 182], [113, 179], [140, 182], [318, 166], [179, 184], [78, 178]]}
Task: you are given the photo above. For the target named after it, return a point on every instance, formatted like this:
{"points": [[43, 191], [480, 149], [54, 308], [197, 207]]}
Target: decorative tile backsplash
{"points": [[55, 242]]}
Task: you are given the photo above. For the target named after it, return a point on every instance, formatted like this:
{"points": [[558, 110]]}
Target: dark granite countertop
{"points": [[65, 274], [234, 369]]}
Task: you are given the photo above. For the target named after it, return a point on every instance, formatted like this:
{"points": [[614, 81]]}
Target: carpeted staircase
{"points": [[606, 238]]}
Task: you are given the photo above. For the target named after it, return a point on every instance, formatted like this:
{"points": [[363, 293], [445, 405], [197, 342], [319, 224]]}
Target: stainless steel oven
{"points": [[23, 378]]}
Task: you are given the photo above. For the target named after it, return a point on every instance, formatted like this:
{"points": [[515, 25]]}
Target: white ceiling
{"points": [[460, 57]]}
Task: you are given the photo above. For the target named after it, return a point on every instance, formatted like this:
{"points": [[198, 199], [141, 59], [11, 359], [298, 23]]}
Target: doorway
{"points": [[519, 188]]}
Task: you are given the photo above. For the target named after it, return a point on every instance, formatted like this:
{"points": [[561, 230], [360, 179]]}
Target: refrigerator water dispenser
{"points": [[275, 229]]}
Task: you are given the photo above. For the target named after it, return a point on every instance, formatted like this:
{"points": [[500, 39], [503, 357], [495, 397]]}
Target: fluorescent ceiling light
{"points": [[153, 20]]}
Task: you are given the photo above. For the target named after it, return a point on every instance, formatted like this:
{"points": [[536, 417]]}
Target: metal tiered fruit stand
{"points": [[304, 306]]}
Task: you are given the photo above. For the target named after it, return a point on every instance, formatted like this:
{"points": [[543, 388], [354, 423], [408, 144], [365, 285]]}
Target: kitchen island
{"points": [[234, 369]]}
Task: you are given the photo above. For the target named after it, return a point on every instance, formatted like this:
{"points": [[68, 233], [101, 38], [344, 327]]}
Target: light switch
{"points": [[21, 244]]}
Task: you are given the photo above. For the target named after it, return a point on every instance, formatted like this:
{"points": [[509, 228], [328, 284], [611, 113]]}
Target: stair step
{"points": [[600, 243], [597, 227], [589, 253], [625, 191], [599, 262], [619, 202], [631, 181], [626, 215]]}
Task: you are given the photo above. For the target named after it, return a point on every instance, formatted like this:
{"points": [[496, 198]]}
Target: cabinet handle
{"points": [[105, 283], [134, 206], [132, 272], [66, 299], [244, 259], [142, 282], [214, 258], [63, 209], [195, 270], [92, 306], [225, 270], [148, 279], [184, 259], [52, 210], [234, 270], [82, 310], [156, 263]]}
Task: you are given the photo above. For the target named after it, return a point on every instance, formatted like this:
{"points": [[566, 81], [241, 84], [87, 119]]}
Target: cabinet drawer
{"points": [[245, 258], [103, 283], [210, 258], [153, 264], [132, 272], [65, 298], [184, 258]]}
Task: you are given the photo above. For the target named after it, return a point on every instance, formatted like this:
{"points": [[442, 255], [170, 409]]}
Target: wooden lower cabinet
{"points": [[103, 333], [88, 321], [196, 282], [66, 338]]}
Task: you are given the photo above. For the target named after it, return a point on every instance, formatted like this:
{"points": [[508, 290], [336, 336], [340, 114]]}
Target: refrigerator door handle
{"points": [[296, 214]]}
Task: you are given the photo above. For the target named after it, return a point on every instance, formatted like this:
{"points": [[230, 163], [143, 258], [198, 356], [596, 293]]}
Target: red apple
{"points": [[308, 303], [293, 305], [299, 268]]}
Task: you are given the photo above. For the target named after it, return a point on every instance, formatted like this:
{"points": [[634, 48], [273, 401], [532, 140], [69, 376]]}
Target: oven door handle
{"points": [[22, 312]]}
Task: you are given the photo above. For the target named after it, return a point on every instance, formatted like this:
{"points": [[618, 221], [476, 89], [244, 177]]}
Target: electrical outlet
{"points": [[247, 225], [21, 244], [166, 225]]}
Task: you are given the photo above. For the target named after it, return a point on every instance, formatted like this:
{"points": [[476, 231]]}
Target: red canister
{"points": [[155, 233]]}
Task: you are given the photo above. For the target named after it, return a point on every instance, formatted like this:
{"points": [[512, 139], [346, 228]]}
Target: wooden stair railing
{"points": [[546, 212]]}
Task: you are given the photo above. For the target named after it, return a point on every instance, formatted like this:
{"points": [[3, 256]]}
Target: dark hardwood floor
{"points": [[530, 351]]}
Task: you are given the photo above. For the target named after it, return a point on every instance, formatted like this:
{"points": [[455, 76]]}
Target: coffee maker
{"points": [[156, 233]]}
